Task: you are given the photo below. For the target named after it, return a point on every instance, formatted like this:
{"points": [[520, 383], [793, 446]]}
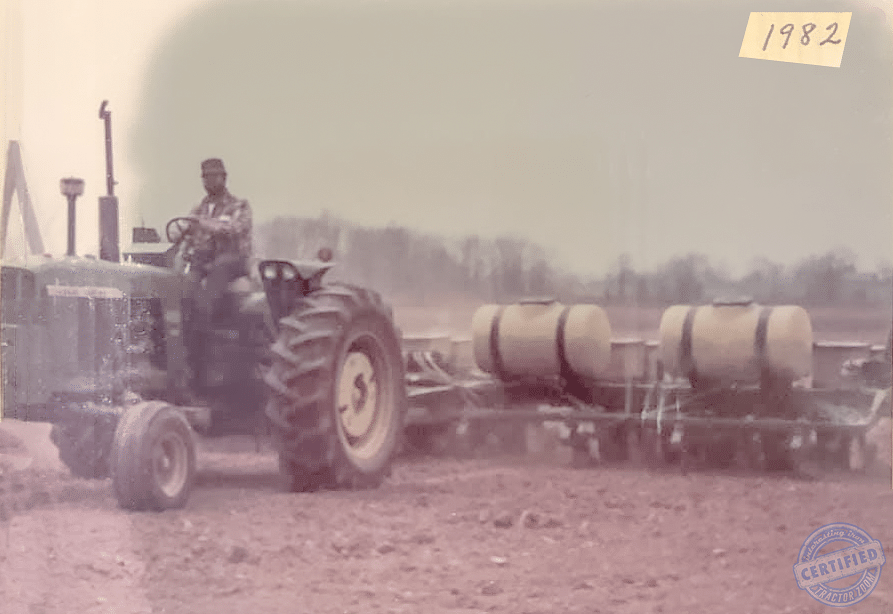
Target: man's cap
{"points": [[213, 165]]}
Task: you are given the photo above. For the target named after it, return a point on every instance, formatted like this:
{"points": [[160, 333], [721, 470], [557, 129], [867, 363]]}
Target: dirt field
{"points": [[495, 533], [490, 532]]}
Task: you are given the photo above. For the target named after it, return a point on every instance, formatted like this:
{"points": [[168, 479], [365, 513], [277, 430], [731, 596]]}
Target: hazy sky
{"points": [[592, 128]]}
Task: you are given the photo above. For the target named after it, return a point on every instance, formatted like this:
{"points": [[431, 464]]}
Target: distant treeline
{"points": [[395, 259]]}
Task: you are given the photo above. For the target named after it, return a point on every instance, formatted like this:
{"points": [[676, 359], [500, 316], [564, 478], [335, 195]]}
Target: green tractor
{"points": [[111, 354]]}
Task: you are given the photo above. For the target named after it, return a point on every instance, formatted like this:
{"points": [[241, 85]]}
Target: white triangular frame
{"points": [[14, 183]]}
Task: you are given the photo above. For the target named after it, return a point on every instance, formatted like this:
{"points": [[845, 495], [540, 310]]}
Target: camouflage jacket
{"points": [[235, 234]]}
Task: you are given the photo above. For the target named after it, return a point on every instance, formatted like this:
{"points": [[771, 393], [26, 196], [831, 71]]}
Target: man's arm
{"points": [[237, 221]]}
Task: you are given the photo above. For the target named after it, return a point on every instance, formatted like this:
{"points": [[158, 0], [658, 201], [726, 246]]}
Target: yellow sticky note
{"points": [[803, 38]]}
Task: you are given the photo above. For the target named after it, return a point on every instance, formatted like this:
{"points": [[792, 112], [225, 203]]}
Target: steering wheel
{"points": [[184, 226], [187, 254]]}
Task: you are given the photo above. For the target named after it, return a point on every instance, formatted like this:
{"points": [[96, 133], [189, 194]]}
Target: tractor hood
{"points": [[75, 276]]}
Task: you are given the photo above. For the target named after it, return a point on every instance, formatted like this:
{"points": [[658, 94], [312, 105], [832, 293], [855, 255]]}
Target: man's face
{"points": [[214, 182]]}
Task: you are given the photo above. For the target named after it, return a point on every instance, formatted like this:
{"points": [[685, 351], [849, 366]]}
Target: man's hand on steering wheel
{"points": [[187, 233], [178, 228]]}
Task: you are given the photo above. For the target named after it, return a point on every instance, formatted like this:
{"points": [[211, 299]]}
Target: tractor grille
{"points": [[107, 345], [89, 335], [146, 332]]}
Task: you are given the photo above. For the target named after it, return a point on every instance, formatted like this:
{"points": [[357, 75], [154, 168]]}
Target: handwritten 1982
{"points": [[805, 38], [802, 37]]}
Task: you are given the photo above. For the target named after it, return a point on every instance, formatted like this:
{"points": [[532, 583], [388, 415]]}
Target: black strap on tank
{"points": [[564, 367], [495, 355], [760, 340], [686, 359]]}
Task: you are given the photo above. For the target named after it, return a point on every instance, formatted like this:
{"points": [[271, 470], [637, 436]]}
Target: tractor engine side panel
{"points": [[76, 330]]}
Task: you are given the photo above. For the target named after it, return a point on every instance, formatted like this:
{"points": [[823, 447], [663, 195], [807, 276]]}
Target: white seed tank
{"points": [[736, 342], [541, 339]]}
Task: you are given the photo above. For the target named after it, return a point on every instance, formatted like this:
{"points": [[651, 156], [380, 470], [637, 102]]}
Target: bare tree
{"points": [[823, 276]]}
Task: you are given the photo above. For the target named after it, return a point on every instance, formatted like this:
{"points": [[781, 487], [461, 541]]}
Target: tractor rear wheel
{"points": [[338, 401], [153, 458]]}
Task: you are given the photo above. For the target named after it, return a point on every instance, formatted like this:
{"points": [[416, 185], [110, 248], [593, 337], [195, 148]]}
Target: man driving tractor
{"points": [[219, 239]]}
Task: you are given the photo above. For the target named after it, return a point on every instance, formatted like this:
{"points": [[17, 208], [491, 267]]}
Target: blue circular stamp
{"points": [[839, 564]]}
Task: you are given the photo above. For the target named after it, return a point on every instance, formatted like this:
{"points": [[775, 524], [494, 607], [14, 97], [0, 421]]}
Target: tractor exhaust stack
{"points": [[109, 248]]}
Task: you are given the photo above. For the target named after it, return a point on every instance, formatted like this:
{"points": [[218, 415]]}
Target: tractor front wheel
{"points": [[153, 458], [338, 400]]}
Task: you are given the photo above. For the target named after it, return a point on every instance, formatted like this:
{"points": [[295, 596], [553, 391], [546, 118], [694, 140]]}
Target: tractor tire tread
{"points": [[301, 407]]}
